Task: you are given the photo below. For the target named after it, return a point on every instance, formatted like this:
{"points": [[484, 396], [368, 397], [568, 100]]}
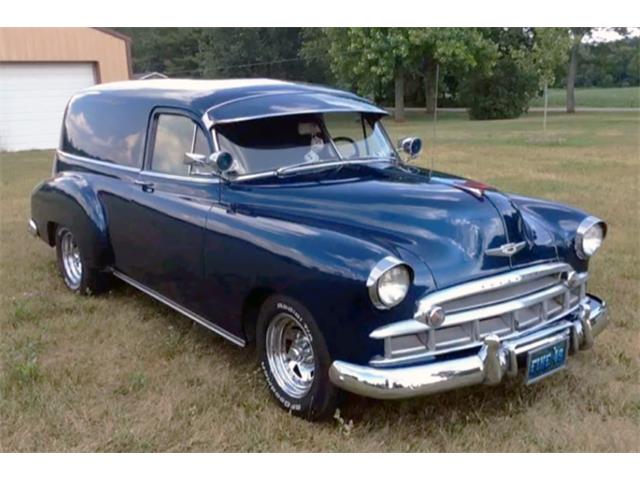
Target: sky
{"points": [[607, 35]]}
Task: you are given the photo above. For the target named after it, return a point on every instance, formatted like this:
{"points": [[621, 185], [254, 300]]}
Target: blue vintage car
{"points": [[283, 214]]}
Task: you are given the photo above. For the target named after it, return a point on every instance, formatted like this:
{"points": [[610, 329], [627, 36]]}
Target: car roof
{"points": [[220, 99]]}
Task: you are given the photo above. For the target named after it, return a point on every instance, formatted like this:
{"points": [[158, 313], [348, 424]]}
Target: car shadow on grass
{"points": [[446, 412]]}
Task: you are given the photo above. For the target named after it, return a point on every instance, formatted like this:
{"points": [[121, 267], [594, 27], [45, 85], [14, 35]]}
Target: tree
{"points": [[550, 49], [370, 59], [521, 61], [609, 64], [223, 52], [252, 52], [578, 34], [457, 50], [172, 51]]}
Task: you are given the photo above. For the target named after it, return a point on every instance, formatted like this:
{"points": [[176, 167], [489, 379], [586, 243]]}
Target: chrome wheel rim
{"points": [[71, 261], [290, 355]]}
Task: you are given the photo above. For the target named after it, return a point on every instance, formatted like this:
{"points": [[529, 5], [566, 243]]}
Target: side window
{"points": [[175, 136], [201, 146], [105, 128]]}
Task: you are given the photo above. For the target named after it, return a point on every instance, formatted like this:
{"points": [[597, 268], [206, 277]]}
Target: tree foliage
{"points": [[172, 51], [222, 52], [610, 64], [252, 52], [526, 62], [369, 60], [493, 71], [550, 49]]}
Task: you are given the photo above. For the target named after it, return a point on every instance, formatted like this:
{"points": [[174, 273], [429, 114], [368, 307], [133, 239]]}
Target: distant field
{"points": [[627, 97], [121, 372]]}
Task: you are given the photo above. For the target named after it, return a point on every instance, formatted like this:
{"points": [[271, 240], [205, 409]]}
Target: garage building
{"points": [[40, 68]]}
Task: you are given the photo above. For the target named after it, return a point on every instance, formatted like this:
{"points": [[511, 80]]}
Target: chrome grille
{"points": [[504, 305]]}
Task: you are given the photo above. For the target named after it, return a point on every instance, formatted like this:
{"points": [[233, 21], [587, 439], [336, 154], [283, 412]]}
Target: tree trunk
{"points": [[429, 87], [546, 105], [571, 78], [399, 105]]}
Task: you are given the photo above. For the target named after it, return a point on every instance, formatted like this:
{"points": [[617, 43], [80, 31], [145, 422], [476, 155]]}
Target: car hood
{"points": [[449, 223]]}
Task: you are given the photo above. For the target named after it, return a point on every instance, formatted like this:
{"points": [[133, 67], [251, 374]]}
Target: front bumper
{"points": [[495, 359]]}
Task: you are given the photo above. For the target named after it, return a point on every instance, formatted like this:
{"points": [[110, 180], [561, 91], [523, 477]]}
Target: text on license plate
{"points": [[546, 360]]}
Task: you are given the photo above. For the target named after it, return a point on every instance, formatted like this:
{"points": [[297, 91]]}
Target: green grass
{"points": [[121, 372], [620, 97]]}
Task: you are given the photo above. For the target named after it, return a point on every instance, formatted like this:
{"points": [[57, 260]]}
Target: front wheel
{"points": [[295, 360]]}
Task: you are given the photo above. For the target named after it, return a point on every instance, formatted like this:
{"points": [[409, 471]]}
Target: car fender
{"points": [[71, 200]]}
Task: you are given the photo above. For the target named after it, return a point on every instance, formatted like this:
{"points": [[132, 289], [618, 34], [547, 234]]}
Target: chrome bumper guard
{"points": [[495, 359], [32, 227]]}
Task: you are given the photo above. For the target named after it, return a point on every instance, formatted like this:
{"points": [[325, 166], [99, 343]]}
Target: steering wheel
{"points": [[351, 142]]}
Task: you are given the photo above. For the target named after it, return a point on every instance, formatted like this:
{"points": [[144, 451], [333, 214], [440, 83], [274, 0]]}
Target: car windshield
{"points": [[280, 143]]}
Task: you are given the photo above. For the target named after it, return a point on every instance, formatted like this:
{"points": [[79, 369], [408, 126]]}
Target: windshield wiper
{"points": [[370, 158], [303, 167]]}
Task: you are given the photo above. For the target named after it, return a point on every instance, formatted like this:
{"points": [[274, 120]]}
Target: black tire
{"points": [[85, 280], [322, 397]]}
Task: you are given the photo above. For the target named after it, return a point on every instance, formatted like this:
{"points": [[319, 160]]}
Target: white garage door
{"points": [[33, 97]]}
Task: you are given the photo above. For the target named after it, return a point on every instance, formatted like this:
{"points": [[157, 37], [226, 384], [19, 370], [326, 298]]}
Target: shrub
{"points": [[505, 93]]}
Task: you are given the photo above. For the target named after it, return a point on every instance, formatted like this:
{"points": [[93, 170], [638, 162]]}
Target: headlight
{"points": [[589, 237], [389, 283]]}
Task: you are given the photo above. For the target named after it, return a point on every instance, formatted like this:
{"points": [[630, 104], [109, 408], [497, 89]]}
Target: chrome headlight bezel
{"points": [[377, 275], [584, 228]]}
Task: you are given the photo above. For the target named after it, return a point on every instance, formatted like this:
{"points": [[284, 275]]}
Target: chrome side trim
{"points": [[81, 159], [585, 225], [495, 360], [488, 284], [184, 178], [187, 313], [78, 158]]}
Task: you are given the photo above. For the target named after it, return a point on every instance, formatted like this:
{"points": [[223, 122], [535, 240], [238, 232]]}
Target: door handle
{"points": [[144, 185]]}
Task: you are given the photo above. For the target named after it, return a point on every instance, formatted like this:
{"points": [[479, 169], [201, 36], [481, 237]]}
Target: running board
{"points": [[187, 313]]}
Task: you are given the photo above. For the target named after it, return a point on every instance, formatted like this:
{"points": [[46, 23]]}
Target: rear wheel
{"points": [[77, 275], [295, 360]]}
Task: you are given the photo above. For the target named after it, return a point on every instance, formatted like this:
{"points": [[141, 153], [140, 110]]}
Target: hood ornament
{"points": [[476, 189], [506, 250]]}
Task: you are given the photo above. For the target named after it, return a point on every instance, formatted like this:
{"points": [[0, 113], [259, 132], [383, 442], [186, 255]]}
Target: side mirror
{"points": [[411, 146], [222, 160]]}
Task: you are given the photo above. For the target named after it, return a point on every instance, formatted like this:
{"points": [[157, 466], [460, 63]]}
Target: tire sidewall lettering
{"points": [[289, 309], [288, 404]]}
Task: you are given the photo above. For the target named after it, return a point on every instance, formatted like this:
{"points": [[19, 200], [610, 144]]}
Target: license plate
{"points": [[546, 360]]}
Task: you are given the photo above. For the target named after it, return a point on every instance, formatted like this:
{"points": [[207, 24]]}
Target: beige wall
{"points": [[109, 52]]}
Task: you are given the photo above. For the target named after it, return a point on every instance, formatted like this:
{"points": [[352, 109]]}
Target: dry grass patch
{"points": [[122, 373]]}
